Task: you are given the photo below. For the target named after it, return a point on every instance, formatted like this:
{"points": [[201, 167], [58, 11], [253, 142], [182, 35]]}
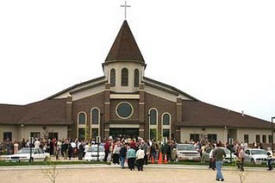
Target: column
{"points": [[141, 105], [176, 129], [105, 130]]}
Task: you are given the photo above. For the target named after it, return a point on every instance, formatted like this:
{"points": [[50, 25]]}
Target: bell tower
{"points": [[124, 65]]}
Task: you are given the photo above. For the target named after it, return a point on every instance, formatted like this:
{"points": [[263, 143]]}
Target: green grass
{"points": [[8, 163], [233, 164]]}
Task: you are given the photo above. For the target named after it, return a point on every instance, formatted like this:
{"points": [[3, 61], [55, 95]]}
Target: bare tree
{"points": [[51, 171], [242, 176]]}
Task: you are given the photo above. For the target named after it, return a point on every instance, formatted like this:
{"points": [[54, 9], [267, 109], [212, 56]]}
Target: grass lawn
{"points": [[8, 163]]}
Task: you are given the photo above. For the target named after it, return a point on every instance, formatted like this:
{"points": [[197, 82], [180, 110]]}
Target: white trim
{"points": [[166, 126], [81, 125], [132, 112], [91, 121], [124, 126], [111, 76], [124, 96], [78, 119], [121, 78], [157, 121], [135, 77]]}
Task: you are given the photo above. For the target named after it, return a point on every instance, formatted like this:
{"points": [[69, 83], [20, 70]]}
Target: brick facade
{"points": [[140, 116]]}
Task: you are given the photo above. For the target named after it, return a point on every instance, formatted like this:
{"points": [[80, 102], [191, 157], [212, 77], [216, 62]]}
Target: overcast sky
{"points": [[221, 52]]}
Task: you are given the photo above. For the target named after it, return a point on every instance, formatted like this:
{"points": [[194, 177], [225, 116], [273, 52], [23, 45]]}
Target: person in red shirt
{"points": [[107, 149]]}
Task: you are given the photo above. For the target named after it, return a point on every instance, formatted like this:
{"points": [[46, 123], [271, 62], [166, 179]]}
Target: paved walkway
{"points": [[154, 166], [114, 174]]}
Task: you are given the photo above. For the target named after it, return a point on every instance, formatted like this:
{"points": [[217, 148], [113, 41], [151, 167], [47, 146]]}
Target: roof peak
{"points": [[125, 47]]}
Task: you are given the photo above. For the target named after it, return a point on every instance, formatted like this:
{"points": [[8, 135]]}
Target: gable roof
{"points": [[125, 47], [45, 112], [200, 114], [166, 87], [10, 113], [76, 86]]}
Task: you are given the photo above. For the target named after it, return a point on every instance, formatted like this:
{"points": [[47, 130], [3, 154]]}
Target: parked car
{"points": [[93, 154], [24, 155], [226, 159], [256, 156], [187, 152]]}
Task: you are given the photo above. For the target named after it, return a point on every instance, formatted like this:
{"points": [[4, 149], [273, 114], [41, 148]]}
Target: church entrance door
{"points": [[124, 132]]}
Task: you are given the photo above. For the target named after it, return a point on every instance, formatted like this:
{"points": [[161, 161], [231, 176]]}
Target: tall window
{"points": [[258, 138], [212, 137], [35, 134], [81, 118], [113, 77], [124, 77], [7, 136], [270, 138], [153, 134], [81, 133], [166, 119], [95, 116], [246, 138], [153, 116], [94, 133], [194, 137], [264, 138], [136, 78]]}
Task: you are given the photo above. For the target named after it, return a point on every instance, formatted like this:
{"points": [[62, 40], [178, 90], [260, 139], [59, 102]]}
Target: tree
{"points": [[51, 171]]}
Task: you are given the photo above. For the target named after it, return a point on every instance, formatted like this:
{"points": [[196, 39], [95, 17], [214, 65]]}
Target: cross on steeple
{"points": [[125, 6]]}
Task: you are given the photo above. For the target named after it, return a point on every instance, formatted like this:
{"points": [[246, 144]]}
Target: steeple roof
{"points": [[125, 47]]}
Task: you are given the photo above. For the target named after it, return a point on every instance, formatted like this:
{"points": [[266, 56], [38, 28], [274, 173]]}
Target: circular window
{"points": [[124, 110]]}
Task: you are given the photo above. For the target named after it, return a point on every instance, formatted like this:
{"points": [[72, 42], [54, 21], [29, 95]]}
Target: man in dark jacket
{"points": [[122, 154], [80, 151], [219, 155]]}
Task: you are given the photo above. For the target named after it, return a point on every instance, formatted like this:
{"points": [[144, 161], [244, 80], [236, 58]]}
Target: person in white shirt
{"points": [[140, 159], [36, 144]]}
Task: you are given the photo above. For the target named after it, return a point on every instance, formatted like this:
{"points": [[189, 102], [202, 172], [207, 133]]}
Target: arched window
{"points": [[124, 77], [81, 118], [136, 78], [166, 119], [113, 77], [153, 116], [95, 116]]}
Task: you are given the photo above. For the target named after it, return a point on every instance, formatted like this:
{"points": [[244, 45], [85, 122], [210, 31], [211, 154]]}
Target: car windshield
{"points": [[226, 151], [94, 149], [256, 151], [186, 147], [24, 151]]}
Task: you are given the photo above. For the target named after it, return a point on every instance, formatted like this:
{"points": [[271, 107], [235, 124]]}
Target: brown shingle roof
{"points": [[10, 114], [200, 114], [125, 47], [44, 112]]}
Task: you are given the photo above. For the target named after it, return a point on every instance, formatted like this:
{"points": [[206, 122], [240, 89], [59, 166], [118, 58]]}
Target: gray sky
{"points": [[221, 52]]}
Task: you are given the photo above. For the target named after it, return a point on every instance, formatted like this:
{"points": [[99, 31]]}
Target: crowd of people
{"points": [[130, 151]]}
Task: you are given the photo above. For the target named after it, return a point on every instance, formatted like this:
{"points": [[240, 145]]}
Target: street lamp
{"points": [[272, 128]]}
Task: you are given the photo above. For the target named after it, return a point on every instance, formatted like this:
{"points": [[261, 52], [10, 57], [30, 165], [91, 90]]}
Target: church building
{"points": [[125, 102]]}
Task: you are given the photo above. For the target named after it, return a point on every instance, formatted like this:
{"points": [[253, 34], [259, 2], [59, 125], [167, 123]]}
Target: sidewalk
{"points": [[154, 166]]}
